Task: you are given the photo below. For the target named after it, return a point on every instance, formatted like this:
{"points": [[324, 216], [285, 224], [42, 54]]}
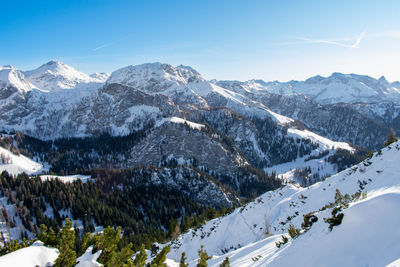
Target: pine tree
{"points": [[66, 246], [43, 234], [225, 263], [159, 260], [391, 138], [141, 257], [47, 236], [87, 240], [108, 244], [182, 262], [203, 257], [121, 258]]}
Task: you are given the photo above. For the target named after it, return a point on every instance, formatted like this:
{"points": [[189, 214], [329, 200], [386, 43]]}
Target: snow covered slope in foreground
{"points": [[35, 255], [367, 236], [39, 255]]}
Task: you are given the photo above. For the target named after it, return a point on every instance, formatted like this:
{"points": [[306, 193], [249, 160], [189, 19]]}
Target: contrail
{"points": [[335, 42], [358, 41], [108, 44], [100, 47]]}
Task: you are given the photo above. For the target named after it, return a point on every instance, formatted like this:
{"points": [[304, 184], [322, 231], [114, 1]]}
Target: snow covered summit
{"points": [[154, 77], [55, 75], [10, 76]]}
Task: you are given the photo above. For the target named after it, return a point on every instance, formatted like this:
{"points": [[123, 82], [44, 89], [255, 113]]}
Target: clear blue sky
{"points": [[228, 39]]}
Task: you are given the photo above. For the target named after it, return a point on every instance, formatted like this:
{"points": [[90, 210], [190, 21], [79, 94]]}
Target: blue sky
{"points": [[222, 39]]}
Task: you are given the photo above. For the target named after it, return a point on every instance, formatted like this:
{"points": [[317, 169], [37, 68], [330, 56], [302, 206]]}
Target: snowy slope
{"points": [[192, 125], [369, 228], [35, 255], [16, 164], [318, 165], [67, 179], [89, 259]]}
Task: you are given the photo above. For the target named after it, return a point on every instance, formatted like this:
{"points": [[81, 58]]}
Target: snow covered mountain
{"points": [[57, 94], [346, 107], [367, 195], [337, 88], [29, 100], [11, 77], [56, 75], [155, 105], [217, 143]]}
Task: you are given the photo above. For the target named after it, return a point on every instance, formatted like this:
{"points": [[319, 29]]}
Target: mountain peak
{"points": [[54, 62], [53, 65], [383, 80], [56, 75], [316, 79], [100, 76], [9, 75], [154, 77], [189, 69], [7, 67]]}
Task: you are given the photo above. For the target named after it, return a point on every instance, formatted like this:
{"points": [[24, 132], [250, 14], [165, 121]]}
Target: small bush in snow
{"points": [[391, 138], [225, 263], [309, 220], [336, 218], [284, 241], [293, 231]]}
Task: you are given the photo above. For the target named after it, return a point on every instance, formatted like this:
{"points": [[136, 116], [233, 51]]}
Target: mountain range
{"points": [[174, 113], [156, 130], [33, 101]]}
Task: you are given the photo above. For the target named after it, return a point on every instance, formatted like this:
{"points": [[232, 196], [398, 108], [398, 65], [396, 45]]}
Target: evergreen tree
{"points": [[159, 260], [225, 263], [203, 257], [48, 236], [391, 138], [87, 241], [141, 257], [182, 262], [66, 246], [121, 258], [108, 244]]}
